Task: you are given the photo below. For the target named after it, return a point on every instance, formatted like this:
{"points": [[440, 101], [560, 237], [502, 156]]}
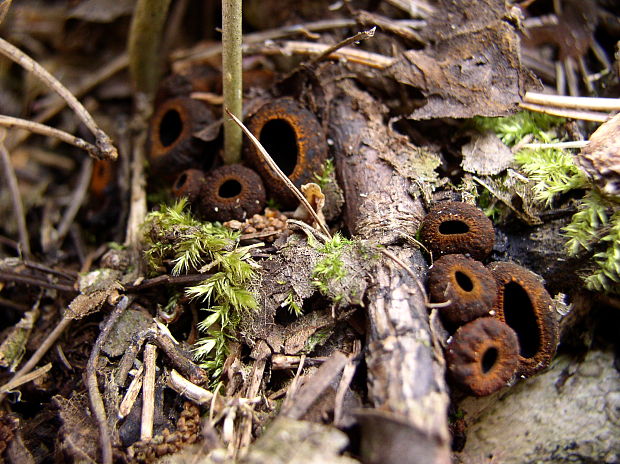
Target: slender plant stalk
{"points": [[231, 65], [145, 35]]}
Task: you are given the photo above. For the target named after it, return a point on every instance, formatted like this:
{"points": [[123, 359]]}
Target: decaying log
{"points": [[405, 373]]}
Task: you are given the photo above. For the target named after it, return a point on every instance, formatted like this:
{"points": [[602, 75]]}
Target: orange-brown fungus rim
{"points": [[466, 283], [192, 185], [542, 306], [469, 348], [250, 199], [477, 241], [177, 104]]}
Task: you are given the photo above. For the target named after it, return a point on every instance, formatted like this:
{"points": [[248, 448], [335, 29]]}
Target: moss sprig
{"points": [[176, 238]]}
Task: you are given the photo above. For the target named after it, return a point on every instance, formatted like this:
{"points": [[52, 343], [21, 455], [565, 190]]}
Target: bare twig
{"points": [[16, 198], [567, 113], [18, 381], [188, 389], [578, 103], [184, 56], [148, 392], [272, 164], [105, 148], [559, 145], [42, 129], [232, 77], [132, 393], [167, 280], [30, 280], [88, 83], [137, 208], [348, 41], [96, 402], [291, 47], [415, 8], [77, 198]]}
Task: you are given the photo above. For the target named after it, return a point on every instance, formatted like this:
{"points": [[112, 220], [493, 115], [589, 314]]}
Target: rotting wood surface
{"points": [[405, 374]]}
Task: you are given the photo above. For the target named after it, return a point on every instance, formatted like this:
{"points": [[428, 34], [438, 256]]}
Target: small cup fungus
{"points": [[457, 227], [294, 139], [466, 284], [524, 304], [189, 184], [232, 192], [173, 146], [483, 356]]}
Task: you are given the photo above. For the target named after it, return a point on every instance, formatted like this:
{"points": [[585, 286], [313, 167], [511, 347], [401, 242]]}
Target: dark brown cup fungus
{"points": [[456, 227], [294, 139], [483, 356], [524, 304], [232, 192], [172, 145], [189, 184], [466, 284]]}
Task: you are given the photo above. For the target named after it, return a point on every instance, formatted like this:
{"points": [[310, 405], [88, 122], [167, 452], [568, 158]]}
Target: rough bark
{"points": [[405, 372]]}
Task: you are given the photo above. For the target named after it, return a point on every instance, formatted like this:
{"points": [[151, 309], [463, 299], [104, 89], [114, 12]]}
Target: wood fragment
{"points": [[314, 386], [132, 393], [148, 392], [566, 113]]}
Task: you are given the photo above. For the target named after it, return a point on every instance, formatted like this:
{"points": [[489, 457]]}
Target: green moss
{"points": [[595, 228], [327, 173], [174, 237], [512, 129], [331, 268]]}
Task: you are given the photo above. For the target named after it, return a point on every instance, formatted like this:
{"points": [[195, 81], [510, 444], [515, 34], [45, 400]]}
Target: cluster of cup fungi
{"points": [[290, 133], [500, 315]]}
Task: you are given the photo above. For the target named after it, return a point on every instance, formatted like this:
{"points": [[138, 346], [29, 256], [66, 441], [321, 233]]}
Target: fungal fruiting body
{"points": [[232, 192], [465, 285], [189, 184], [483, 356], [525, 305], [455, 227], [294, 139], [173, 146]]}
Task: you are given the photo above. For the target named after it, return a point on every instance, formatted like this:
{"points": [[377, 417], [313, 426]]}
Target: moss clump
{"points": [[595, 228], [175, 238]]}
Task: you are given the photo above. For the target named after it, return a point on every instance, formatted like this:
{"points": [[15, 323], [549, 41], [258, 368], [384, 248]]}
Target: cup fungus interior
{"points": [[519, 315], [464, 281], [170, 127], [453, 227], [230, 188], [279, 139], [489, 359]]}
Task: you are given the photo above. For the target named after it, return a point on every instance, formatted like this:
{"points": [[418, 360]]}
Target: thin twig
{"points": [[348, 41], [77, 198], [415, 8], [88, 83], [272, 164], [96, 402], [566, 113], [43, 348], [184, 56], [353, 55], [132, 393], [31, 280], [148, 392], [18, 381], [42, 129], [578, 103], [559, 145], [16, 198], [167, 280], [188, 389], [105, 149]]}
